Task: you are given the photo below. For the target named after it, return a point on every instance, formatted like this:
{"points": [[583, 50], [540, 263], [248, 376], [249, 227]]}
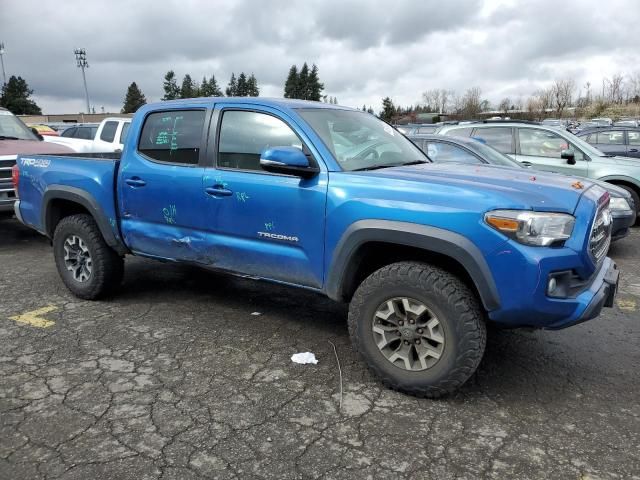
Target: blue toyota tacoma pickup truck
{"points": [[336, 201]]}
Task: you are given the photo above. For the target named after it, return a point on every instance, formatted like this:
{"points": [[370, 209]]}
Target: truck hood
{"points": [[17, 147], [511, 187]]}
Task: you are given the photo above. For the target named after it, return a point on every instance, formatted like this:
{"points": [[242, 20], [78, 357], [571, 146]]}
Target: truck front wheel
{"points": [[86, 264], [418, 327]]}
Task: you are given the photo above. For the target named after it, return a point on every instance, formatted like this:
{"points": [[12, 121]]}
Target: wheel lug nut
{"points": [[400, 323], [420, 330], [418, 342], [411, 322], [406, 342]]}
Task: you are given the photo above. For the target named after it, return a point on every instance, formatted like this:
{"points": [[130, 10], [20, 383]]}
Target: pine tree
{"points": [[314, 87], [171, 89], [188, 88], [364, 108], [210, 88], [291, 84], [252, 86], [15, 97], [303, 82], [388, 110], [370, 110], [232, 88], [242, 85], [134, 99]]}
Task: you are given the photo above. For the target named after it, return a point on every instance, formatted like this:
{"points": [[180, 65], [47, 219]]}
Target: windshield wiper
{"points": [[377, 167], [4, 137], [415, 162]]}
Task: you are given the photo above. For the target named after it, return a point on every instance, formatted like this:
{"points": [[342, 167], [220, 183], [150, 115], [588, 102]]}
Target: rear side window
{"points": [[245, 135], [634, 138], [125, 130], [85, 133], [611, 138], [445, 152], [69, 132], [109, 132], [496, 137], [173, 137], [460, 132]]}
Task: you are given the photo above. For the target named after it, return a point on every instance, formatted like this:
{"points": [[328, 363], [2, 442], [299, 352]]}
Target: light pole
{"points": [[4, 74], [81, 60]]}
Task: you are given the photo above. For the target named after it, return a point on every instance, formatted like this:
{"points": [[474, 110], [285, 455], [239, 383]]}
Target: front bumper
{"points": [[623, 220], [602, 293]]}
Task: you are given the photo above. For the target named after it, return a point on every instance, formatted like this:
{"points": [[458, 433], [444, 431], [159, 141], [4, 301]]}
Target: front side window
{"points": [[611, 138], [445, 152], [496, 137], [109, 132], [174, 136], [245, 135], [634, 138], [541, 143], [360, 141]]}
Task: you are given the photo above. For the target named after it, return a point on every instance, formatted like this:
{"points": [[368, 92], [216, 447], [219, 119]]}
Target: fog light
{"points": [[552, 286]]}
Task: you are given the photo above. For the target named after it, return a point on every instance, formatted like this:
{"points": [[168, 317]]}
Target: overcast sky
{"points": [[365, 50]]}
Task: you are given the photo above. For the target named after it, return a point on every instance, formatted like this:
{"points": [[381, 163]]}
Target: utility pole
{"points": [[81, 60], [4, 74]]}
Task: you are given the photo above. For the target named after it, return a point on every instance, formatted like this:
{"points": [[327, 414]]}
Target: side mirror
{"points": [[287, 160], [36, 133], [569, 156]]}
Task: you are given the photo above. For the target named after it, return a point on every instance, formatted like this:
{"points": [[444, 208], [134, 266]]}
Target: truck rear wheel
{"points": [[86, 264], [418, 327]]}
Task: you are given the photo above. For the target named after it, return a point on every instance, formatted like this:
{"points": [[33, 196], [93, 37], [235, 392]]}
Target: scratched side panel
{"points": [[41, 172]]}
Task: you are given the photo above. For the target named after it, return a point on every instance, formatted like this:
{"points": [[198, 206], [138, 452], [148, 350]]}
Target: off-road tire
{"points": [[457, 309], [107, 265]]}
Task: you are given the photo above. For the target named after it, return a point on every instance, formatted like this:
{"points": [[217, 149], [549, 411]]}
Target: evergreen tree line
{"points": [[16, 97], [242, 86], [304, 84]]}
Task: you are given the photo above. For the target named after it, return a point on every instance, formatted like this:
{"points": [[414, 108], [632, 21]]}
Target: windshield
{"points": [[359, 141], [12, 128], [493, 156]]}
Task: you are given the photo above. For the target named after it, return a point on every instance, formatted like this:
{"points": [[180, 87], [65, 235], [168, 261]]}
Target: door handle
{"points": [[218, 191], [135, 182], [634, 150]]}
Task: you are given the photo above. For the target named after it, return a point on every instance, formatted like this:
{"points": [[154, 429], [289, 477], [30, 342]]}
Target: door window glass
{"points": [[611, 138], [460, 132], [496, 137], [541, 143], [109, 132], [69, 132], [445, 152], [634, 138], [85, 133], [125, 130], [173, 137], [245, 135]]}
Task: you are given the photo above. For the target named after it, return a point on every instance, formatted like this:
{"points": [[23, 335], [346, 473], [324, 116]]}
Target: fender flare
{"points": [[620, 178], [81, 197], [430, 239]]}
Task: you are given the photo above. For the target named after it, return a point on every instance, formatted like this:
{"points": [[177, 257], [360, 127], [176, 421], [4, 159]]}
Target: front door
{"points": [[263, 224], [160, 187], [543, 148]]}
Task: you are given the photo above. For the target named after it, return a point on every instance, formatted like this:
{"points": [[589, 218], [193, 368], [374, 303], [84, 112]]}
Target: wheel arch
{"points": [[370, 244], [60, 201]]}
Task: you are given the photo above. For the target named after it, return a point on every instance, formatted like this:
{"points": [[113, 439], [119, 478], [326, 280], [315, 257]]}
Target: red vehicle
{"points": [[16, 138]]}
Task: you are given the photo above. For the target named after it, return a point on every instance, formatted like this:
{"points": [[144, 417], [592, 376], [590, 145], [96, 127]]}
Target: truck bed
{"points": [[88, 176]]}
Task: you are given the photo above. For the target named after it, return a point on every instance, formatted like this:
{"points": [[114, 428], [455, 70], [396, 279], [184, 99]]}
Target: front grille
{"points": [[7, 194], [600, 238]]}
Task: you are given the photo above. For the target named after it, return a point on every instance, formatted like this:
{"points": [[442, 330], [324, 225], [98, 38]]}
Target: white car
{"points": [[109, 137]]}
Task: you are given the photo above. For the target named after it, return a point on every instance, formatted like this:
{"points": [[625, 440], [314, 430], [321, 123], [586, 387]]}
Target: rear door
{"points": [[611, 142], [160, 186], [259, 223], [542, 149], [633, 143]]}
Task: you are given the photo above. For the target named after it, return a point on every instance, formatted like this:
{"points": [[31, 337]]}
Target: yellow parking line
{"points": [[628, 305], [33, 318]]}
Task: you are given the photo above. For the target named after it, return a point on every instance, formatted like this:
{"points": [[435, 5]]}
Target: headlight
{"points": [[619, 203], [532, 228]]}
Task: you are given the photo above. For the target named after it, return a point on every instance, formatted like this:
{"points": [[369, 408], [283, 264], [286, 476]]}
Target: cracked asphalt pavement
{"points": [[176, 377]]}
